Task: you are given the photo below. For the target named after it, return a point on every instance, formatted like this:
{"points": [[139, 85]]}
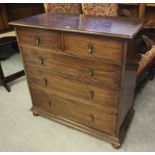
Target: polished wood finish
{"points": [[74, 88], [39, 38], [89, 115], [3, 17], [81, 70], [103, 72], [103, 26], [107, 49], [12, 11], [22, 10], [141, 10]]}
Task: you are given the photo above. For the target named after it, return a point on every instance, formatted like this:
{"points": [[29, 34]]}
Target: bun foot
{"points": [[35, 114], [116, 146]]}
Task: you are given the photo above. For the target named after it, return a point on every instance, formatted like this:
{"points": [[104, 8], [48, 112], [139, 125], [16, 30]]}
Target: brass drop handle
{"points": [[41, 60], [37, 40], [90, 71], [90, 47], [91, 118], [45, 82], [91, 92]]}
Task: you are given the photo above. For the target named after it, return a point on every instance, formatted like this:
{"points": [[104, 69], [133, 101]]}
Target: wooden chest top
{"points": [[81, 70], [121, 27]]}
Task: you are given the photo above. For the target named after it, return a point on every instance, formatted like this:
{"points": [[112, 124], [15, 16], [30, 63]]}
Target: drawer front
{"points": [[39, 38], [85, 114], [74, 88], [93, 70], [94, 46]]}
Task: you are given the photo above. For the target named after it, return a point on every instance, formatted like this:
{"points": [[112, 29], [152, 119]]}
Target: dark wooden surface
{"points": [[13, 11], [105, 73], [76, 89], [3, 17], [92, 116], [5, 80], [7, 40], [22, 10], [59, 61], [107, 26]]}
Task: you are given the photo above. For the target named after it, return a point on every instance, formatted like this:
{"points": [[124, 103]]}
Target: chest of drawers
{"points": [[81, 70]]}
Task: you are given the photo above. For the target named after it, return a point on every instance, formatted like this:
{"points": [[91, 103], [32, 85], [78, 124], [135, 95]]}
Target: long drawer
{"points": [[39, 38], [106, 73], [94, 46], [74, 88], [85, 114]]}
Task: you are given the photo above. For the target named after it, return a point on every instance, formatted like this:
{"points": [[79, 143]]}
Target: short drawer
{"points": [[106, 73], [94, 46], [74, 88], [39, 38], [85, 114]]}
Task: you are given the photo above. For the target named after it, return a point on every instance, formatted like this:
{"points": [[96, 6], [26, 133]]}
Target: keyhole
{"points": [[91, 118], [49, 103]]}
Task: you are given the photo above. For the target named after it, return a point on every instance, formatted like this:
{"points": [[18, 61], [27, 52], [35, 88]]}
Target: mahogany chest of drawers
{"points": [[81, 70]]}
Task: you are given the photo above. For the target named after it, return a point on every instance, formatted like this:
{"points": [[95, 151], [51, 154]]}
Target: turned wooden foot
{"points": [[116, 146], [35, 114]]}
